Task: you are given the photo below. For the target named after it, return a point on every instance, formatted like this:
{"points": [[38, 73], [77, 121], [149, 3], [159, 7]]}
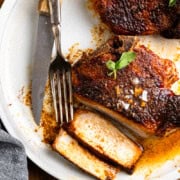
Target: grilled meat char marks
{"points": [[141, 91], [135, 17]]}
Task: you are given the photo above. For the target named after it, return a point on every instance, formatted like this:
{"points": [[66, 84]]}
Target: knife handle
{"points": [[43, 7]]}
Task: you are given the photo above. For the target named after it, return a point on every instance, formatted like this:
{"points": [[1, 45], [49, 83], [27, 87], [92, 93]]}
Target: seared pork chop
{"points": [[140, 97], [137, 17], [174, 30]]}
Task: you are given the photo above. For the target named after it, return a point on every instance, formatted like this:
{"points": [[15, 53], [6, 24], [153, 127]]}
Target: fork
{"points": [[60, 71]]}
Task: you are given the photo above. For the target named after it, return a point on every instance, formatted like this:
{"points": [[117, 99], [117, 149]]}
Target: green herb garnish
{"points": [[172, 3], [125, 59]]}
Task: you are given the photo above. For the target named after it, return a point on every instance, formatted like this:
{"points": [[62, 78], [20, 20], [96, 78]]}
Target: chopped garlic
{"points": [[131, 91], [123, 104], [144, 96], [135, 81]]}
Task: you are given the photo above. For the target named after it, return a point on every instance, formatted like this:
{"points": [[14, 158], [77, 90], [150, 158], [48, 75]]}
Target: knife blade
{"points": [[42, 57]]}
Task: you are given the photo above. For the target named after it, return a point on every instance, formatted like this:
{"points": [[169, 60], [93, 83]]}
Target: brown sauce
{"points": [[158, 150]]}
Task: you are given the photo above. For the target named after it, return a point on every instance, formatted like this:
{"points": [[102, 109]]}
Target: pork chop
{"points": [[140, 97]]}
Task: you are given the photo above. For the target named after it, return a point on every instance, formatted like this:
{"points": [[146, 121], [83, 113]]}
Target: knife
{"points": [[42, 57]]}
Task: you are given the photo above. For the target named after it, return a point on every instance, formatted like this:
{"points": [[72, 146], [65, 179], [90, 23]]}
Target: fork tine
{"points": [[65, 94], [61, 86], [69, 79], [53, 89], [60, 100]]}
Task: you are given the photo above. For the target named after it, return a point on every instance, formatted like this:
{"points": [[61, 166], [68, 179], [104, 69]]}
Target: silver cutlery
{"points": [[60, 71], [42, 56]]}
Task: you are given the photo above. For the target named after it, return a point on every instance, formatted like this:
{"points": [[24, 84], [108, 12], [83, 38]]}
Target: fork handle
{"points": [[55, 11]]}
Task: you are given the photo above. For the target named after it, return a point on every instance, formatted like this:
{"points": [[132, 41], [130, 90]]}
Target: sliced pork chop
{"points": [[105, 139], [71, 150]]}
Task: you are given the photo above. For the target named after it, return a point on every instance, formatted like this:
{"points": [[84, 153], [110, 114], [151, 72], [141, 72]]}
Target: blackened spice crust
{"points": [[137, 17]]}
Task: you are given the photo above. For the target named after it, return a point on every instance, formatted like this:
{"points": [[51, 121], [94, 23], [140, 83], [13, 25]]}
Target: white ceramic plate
{"points": [[18, 23]]}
